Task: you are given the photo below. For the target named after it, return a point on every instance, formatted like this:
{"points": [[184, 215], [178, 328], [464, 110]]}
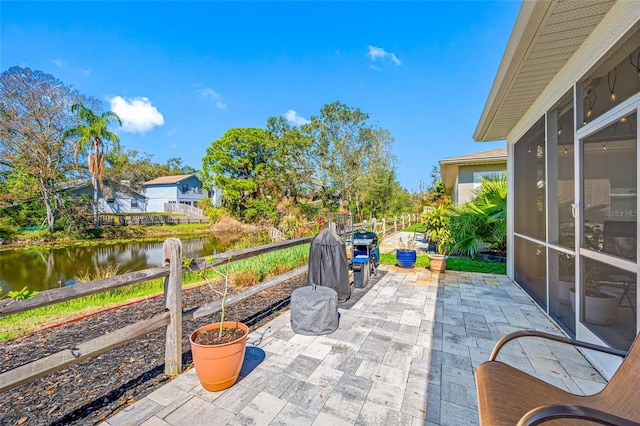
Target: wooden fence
{"points": [[132, 219], [171, 319]]}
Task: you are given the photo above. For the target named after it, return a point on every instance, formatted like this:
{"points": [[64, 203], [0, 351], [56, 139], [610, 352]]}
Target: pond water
{"points": [[46, 269]]}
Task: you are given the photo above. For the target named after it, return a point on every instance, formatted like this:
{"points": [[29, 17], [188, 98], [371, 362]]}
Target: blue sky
{"points": [[180, 74]]}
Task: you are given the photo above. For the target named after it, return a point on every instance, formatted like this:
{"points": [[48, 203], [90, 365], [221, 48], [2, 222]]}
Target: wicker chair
{"points": [[508, 396]]}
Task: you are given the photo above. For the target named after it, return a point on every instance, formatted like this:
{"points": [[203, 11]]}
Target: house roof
{"points": [[449, 166], [115, 185], [164, 180], [545, 37], [498, 155]]}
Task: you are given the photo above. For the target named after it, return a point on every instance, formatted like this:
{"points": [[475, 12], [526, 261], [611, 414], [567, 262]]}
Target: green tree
{"points": [[289, 169], [34, 116], [346, 153], [93, 135], [236, 162]]}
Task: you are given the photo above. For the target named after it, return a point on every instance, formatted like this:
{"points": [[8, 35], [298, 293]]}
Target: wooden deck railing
{"points": [[172, 318]]}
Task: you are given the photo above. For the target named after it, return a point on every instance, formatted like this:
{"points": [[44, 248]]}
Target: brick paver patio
{"points": [[404, 354]]}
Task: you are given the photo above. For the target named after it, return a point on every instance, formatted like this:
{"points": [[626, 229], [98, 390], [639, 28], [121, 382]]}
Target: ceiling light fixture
{"points": [[612, 86]]}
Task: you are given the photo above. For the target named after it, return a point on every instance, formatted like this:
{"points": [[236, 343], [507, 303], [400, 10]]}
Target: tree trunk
{"points": [[51, 214], [95, 201]]}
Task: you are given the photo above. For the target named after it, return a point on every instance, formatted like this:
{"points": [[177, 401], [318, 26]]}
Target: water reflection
{"points": [[54, 268]]}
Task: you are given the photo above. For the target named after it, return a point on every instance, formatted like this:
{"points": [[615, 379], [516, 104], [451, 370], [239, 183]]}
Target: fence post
{"points": [[374, 225], [384, 227], [172, 253], [403, 226]]}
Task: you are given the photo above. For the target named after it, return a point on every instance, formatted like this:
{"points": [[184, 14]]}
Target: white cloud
{"points": [[213, 95], [295, 119], [138, 115], [171, 132], [59, 63], [85, 71], [379, 52], [209, 93]]}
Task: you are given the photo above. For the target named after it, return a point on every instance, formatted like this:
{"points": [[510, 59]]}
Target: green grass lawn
{"points": [[453, 264], [419, 227]]}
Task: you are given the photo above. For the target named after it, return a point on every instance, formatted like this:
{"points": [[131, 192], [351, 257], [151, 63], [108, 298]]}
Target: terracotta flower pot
{"points": [[218, 366], [438, 262]]}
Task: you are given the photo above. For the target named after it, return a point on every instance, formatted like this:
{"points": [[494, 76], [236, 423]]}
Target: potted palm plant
{"points": [[406, 255], [438, 224], [218, 349]]}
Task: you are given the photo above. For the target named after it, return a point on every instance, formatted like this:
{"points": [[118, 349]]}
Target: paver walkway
{"points": [[404, 354]]}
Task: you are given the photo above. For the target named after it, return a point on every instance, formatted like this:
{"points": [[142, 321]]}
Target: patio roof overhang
{"points": [[545, 37]]}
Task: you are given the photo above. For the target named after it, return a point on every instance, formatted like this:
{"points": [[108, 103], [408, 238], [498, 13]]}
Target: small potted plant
{"points": [[600, 305], [406, 255], [218, 349], [438, 224]]}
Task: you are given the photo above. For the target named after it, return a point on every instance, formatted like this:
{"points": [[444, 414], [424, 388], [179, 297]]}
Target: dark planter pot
{"points": [[406, 258]]}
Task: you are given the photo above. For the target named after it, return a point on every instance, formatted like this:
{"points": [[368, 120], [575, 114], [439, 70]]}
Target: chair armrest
{"points": [[552, 412], [533, 333]]}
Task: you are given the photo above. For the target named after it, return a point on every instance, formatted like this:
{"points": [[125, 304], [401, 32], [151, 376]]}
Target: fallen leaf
{"points": [[54, 408], [22, 420]]}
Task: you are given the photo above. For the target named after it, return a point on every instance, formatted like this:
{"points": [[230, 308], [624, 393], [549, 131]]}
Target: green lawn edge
{"points": [[453, 264]]}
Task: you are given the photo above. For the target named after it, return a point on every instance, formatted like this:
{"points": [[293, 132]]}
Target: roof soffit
{"points": [[552, 32]]}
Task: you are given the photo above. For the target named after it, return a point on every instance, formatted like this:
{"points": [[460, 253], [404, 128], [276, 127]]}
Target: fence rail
{"points": [[148, 220], [172, 318]]}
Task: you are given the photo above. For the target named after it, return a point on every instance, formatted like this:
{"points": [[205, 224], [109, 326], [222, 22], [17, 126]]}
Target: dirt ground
{"points": [[93, 390]]}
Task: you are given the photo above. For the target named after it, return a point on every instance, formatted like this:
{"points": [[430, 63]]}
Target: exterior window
{"points": [[134, 203], [185, 187], [610, 189], [605, 91], [199, 190], [529, 183], [531, 269], [486, 175], [172, 202], [110, 200]]}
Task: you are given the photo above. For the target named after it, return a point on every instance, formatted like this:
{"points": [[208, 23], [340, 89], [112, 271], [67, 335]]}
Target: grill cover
{"points": [[314, 310], [328, 265]]}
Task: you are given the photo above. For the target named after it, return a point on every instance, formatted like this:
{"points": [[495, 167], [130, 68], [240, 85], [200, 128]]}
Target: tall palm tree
{"points": [[93, 136]]}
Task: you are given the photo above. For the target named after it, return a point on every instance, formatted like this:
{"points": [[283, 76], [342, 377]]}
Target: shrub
{"points": [[258, 210], [245, 278], [482, 220], [438, 224]]}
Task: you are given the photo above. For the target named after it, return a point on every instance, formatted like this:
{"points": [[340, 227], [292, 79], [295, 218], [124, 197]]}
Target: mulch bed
{"points": [[93, 390]]}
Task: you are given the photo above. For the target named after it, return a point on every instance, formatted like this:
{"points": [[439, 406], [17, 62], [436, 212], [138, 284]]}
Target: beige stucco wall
{"points": [[465, 185]]}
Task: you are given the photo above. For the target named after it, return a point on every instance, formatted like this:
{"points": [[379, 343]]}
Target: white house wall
{"points": [[160, 194]]}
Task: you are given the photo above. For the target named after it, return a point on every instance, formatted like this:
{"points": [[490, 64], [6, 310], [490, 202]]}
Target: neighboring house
{"points": [[461, 175], [566, 98], [180, 189], [113, 197]]}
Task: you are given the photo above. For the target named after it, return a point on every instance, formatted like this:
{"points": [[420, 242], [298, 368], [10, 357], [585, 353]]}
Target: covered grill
{"points": [[328, 264], [366, 244]]}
